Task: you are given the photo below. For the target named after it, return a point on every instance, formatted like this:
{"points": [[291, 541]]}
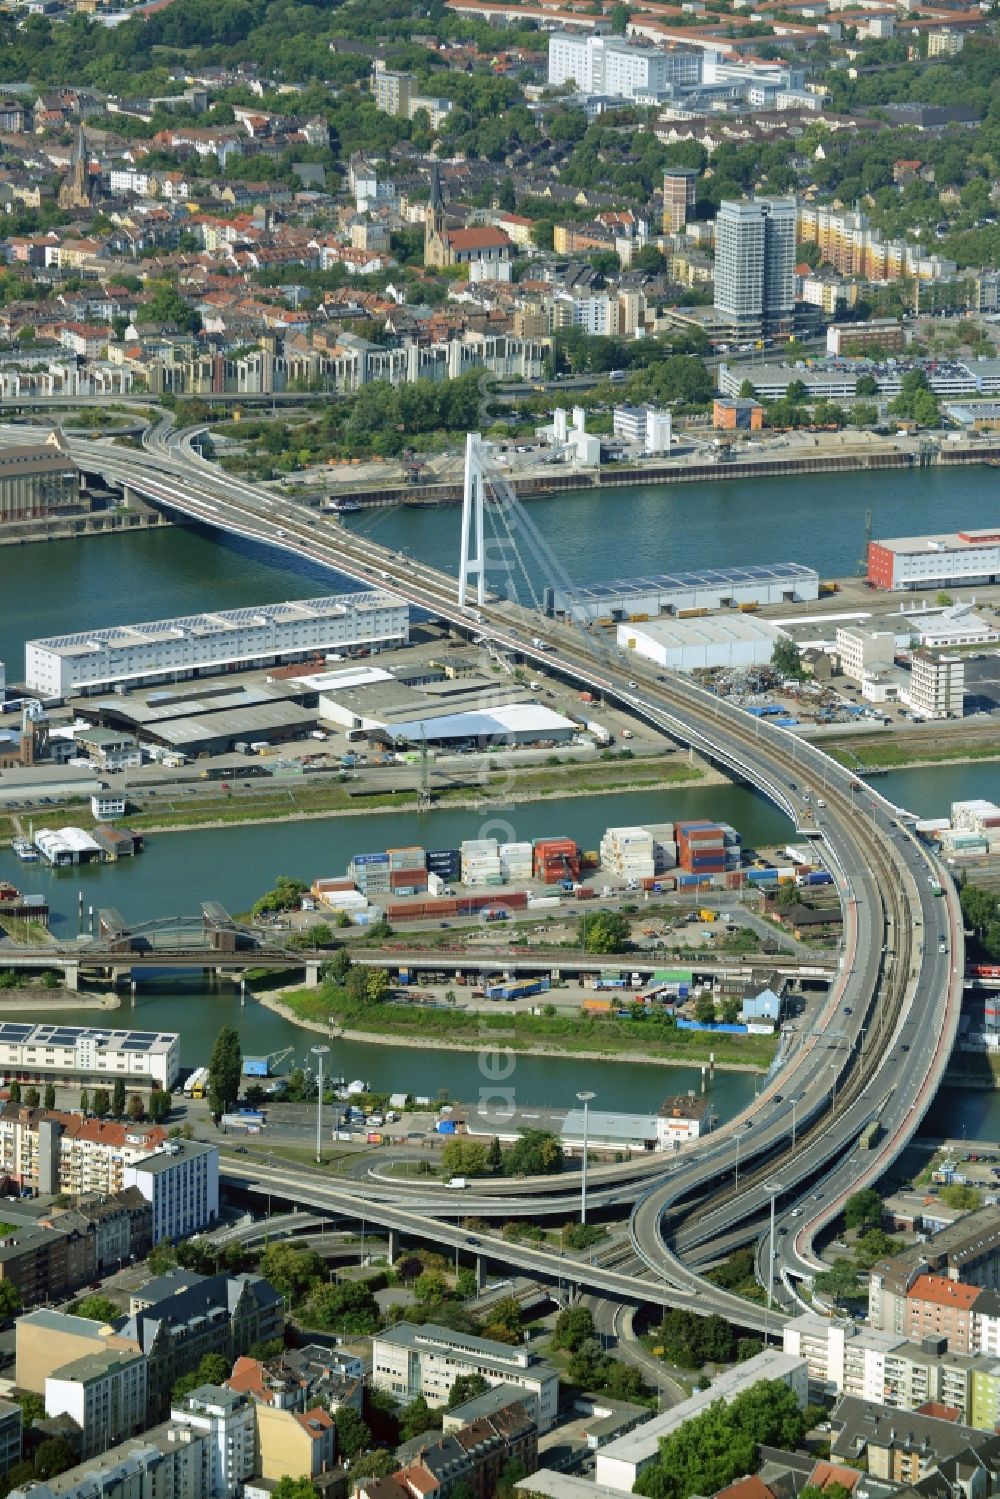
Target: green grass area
{"points": [[891, 754], [26, 933], [524, 1032]]}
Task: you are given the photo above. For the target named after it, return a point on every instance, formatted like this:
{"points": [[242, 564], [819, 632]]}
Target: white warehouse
{"points": [[201, 644], [77, 1054], [696, 644]]}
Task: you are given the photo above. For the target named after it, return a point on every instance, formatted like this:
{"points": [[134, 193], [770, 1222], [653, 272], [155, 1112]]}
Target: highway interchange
{"points": [[877, 1051]]}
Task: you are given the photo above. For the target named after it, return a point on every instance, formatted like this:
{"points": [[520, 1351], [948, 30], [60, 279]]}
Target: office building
{"points": [[74, 1054], [864, 648], [392, 90], [104, 1393], [937, 684], [37, 480], [204, 644], [408, 1361], [181, 1183], [621, 1461], [755, 265], [964, 559], [617, 69], [680, 187]]}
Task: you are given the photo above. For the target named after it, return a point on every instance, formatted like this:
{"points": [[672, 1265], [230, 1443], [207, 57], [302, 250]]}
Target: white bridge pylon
{"points": [[472, 568]]}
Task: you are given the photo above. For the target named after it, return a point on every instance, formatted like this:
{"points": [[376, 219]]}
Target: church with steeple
{"points": [[435, 224], [77, 190], [485, 245]]}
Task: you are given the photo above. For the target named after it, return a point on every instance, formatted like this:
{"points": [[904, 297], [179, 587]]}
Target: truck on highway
{"points": [[456, 1184], [540, 644]]}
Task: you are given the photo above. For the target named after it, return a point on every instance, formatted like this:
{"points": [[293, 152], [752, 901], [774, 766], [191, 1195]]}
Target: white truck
{"points": [[457, 1183]]}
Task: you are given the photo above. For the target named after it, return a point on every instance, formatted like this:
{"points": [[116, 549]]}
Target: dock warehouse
{"points": [[669, 593], [79, 1054], [212, 719], [696, 644], [203, 644]]}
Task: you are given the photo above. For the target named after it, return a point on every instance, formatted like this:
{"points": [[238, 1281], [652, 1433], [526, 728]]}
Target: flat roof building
{"points": [[409, 1361], [713, 588], [698, 644], [969, 558], [37, 480], [181, 1182], [202, 644], [81, 1054]]}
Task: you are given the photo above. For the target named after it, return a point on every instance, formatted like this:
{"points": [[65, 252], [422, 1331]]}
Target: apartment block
{"points": [[300, 1442], [226, 1420], [408, 1361], [104, 1393], [11, 1435], [755, 264], [909, 1452], [54, 1152], [968, 1251], [47, 1340], [937, 684], [181, 1183], [680, 186]]}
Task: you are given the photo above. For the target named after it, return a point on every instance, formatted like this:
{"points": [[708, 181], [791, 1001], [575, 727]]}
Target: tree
{"points": [[494, 1157], [212, 1368], [286, 896], [958, 1195], [620, 17], [586, 1367], [574, 1326], [417, 1417], [10, 1299], [292, 1272], [349, 1307], [32, 1407], [160, 1103], [14, 1091], [863, 1209], [84, 1101], [430, 1287], [748, 391], [97, 1309], [464, 1157], [118, 1098], [293, 1488], [377, 1464], [506, 197], [606, 932], [136, 1109], [535, 1152], [866, 385], [54, 1456], [225, 1068], [839, 1282], [32, 1098], [873, 1246], [785, 657], [704, 1009], [353, 1436], [101, 1103], [466, 1387], [50, 1095]]}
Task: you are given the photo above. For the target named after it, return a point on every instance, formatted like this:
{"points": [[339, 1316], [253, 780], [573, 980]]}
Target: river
{"points": [[49, 589]]}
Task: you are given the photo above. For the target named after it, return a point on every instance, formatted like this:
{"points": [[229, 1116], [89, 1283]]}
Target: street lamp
{"points": [[775, 1190], [586, 1098], [319, 1052]]}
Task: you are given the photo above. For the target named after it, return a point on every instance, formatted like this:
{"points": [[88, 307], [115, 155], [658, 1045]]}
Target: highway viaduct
{"points": [[900, 981]]}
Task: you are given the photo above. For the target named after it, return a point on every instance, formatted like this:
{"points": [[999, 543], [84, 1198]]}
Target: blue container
{"points": [[445, 1126]]}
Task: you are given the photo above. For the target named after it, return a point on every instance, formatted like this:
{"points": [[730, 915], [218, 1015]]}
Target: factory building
{"points": [[211, 719], [954, 559], [204, 644], [700, 644], [643, 424], [37, 480], [76, 1054], [674, 593]]}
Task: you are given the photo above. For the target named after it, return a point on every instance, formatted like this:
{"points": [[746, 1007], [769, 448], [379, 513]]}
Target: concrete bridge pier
{"points": [[71, 976], [118, 975], [480, 1274], [394, 1245], [312, 973]]}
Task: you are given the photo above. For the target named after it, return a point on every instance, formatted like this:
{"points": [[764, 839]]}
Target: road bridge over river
{"points": [[880, 1046]]}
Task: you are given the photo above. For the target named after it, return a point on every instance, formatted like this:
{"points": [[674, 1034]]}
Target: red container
{"points": [[585, 892]]}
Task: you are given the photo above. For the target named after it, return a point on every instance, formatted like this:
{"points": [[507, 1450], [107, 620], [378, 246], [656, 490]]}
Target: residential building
{"points": [[392, 90], [47, 1340], [969, 558], [181, 1182], [171, 1461], [11, 1435], [53, 1152], [291, 1441], [851, 246], [203, 644], [945, 42], [937, 684], [907, 1452], [302, 1379], [104, 1393], [967, 1251], [37, 480], [618, 69], [408, 1361], [619, 1464], [680, 187], [105, 806], [755, 265], [864, 648], [227, 1420]]}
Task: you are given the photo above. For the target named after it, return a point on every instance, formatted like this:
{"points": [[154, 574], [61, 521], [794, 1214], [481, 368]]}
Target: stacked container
{"points": [[370, 872], [701, 848], [664, 836], [407, 871], [446, 862], [481, 862], [556, 859], [628, 853], [515, 862]]}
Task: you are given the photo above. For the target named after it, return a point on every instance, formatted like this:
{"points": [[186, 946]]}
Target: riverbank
{"points": [[308, 1009], [863, 755], [249, 813], [17, 1001]]}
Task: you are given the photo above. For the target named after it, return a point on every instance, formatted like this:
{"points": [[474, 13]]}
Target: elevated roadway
{"points": [[882, 1041]]}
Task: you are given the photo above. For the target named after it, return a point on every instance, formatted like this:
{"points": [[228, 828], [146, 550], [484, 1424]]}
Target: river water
{"points": [[65, 586]]}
